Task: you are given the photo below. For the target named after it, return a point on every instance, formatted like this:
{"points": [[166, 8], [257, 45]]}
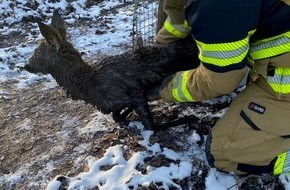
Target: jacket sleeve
{"points": [[175, 27], [200, 84]]}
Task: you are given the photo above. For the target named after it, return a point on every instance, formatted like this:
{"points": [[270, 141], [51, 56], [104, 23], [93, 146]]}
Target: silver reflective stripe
{"points": [[179, 83], [272, 43], [286, 167], [279, 79], [180, 27], [226, 54]]}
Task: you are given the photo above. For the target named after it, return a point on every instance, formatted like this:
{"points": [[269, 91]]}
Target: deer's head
{"points": [[46, 54]]}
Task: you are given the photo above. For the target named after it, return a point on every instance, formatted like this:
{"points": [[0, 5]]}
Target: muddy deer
{"points": [[117, 82]]}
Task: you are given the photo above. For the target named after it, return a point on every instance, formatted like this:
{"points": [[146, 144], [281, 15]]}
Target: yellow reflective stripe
{"points": [[179, 91], [282, 71], [283, 89], [224, 54], [178, 30], [280, 82], [186, 26], [279, 164], [282, 164], [271, 46]]}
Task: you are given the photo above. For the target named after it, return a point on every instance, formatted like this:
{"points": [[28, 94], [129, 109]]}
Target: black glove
{"points": [[154, 93]]}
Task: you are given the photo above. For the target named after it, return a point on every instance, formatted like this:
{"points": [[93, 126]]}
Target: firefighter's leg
{"points": [[254, 134], [175, 27]]}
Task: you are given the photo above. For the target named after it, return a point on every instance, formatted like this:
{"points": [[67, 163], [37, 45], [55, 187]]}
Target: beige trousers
{"points": [[255, 128]]}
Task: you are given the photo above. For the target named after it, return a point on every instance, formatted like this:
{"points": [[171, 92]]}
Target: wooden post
{"points": [[161, 16]]}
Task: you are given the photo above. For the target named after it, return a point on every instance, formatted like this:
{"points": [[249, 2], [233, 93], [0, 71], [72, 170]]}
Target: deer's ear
{"points": [[50, 35], [58, 24]]}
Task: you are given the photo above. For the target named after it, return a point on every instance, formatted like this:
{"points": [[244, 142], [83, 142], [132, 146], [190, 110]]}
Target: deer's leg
{"points": [[119, 118], [143, 111], [185, 120]]}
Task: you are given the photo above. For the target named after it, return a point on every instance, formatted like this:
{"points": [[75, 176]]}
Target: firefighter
{"points": [[253, 136]]}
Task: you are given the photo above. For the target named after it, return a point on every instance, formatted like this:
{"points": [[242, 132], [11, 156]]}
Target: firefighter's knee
{"points": [[217, 160]]}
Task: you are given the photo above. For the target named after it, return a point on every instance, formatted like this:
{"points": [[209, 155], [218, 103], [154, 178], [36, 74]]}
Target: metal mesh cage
{"points": [[144, 22]]}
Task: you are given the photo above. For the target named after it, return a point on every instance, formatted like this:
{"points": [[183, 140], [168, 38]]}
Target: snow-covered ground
{"points": [[113, 170]]}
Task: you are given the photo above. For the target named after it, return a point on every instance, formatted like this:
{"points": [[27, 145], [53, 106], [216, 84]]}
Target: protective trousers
{"points": [[254, 134], [175, 27]]}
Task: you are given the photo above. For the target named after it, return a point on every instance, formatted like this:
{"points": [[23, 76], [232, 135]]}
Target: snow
{"points": [[97, 124], [119, 173], [123, 173], [219, 181]]}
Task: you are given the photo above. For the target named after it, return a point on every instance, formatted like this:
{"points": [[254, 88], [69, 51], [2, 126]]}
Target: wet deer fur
{"points": [[115, 83]]}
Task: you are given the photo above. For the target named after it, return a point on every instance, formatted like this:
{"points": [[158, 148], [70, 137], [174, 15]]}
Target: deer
{"points": [[117, 82]]}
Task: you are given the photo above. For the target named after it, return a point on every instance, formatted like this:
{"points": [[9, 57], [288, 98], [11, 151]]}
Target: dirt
{"points": [[47, 113]]}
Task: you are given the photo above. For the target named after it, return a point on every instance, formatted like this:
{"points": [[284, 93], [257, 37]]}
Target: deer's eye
{"points": [[36, 54]]}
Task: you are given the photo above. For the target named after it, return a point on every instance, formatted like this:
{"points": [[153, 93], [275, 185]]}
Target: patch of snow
{"points": [[219, 181], [101, 122], [25, 125]]}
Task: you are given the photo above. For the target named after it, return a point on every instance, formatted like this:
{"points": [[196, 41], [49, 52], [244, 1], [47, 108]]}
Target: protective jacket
{"points": [[232, 34]]}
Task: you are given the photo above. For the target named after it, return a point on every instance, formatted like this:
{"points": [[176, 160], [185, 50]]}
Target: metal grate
{"points": [[144, 22]]}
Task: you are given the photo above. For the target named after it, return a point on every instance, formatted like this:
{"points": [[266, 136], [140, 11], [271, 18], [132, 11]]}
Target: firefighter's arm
{"points": [[200, 84], [175, 27], [223, 42]]}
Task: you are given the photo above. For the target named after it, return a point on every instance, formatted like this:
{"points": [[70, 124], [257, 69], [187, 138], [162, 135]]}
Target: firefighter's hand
{"points": [[154, 93]]}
